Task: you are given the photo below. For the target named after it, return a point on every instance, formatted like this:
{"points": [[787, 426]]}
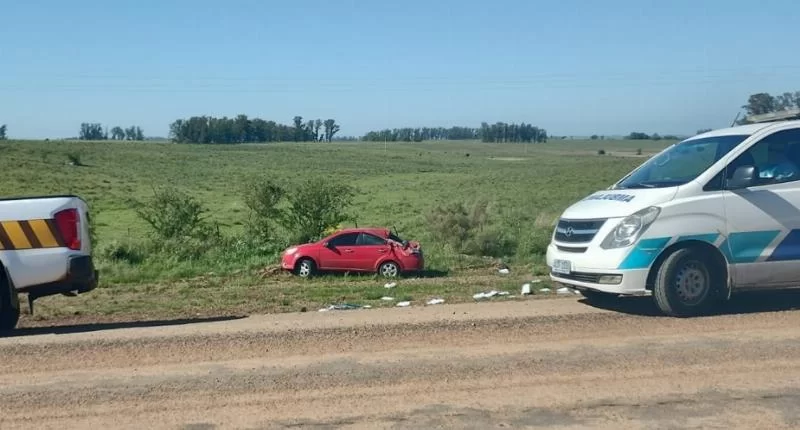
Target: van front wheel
{"points": [[686, 283]]}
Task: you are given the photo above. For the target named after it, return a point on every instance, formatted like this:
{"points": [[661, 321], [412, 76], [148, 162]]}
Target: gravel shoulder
{"points": [[528, 364]]}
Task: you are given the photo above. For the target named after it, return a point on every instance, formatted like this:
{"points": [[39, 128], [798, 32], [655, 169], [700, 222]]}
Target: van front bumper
{"points": [[589, 271]]}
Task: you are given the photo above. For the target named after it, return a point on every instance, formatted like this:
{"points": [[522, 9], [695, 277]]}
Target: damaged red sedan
{"points": [[355, 250]]}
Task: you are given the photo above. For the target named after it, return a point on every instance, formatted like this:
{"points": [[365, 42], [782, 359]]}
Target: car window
{"points": [[369, 239], [776, 157], [347, 239]]}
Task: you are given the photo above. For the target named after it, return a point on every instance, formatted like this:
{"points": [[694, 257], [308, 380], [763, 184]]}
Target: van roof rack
{"points": [[781, 115]]}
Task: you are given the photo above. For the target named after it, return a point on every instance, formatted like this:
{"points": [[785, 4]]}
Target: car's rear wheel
{"points": [[305, 268], [389, 269], [687, 283]]}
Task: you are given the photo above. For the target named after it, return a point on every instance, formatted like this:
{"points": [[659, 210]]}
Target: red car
{"points": [[355, 250]]}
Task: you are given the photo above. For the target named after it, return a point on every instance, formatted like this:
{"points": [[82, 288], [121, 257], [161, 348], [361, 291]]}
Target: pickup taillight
{"points": [[68, 223]]}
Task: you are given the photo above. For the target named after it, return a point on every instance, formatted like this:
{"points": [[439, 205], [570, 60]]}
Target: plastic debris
{"points": [[544, 290], [387, 298], [504, 271], [344, 307], [404, 304], [563, 290], [489, 294], [526, 289], [536, 281], [390, 285], [435, 301]]}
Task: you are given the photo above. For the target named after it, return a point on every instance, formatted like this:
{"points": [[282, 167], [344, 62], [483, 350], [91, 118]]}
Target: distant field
{"points": [[527, 185]]}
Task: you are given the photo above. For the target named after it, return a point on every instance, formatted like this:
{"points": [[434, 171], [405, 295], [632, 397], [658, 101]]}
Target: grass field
{"points": [[527, 187]]}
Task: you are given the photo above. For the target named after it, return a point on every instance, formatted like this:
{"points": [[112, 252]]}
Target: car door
{"points": [[368, 250], [339, 253], [763, 219]]}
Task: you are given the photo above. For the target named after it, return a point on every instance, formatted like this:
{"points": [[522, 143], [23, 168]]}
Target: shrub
{"points": [[314, 205], [173, 214], [601, 152], [263, 198], [468, 231], [121, 251]]}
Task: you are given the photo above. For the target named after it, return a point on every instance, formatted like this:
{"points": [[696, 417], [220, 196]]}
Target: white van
{"points": [[714, 214]]}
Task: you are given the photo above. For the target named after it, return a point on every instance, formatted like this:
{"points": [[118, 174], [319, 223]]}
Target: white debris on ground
{"points": [[490, 294], [526, 289], [435, 301], [563, 290], [344, 307], [544, 290], [387, 298], [503, 271], [390, 285], [403, 304], [536, 281]]}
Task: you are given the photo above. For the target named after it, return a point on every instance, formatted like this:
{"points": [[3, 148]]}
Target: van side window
{"points": [[777, 158]]}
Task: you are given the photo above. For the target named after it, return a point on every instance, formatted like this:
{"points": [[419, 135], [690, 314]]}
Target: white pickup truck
{"points": [[712, 215], [45, 249]]}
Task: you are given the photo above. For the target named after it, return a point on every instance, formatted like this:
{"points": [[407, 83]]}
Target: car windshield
{"points": [[681, 162]]}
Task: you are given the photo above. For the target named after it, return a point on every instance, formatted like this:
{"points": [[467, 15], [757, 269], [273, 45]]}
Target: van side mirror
{"points": [[743, 177]]}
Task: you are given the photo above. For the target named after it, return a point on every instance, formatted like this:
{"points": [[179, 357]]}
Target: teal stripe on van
{"points": [[739, 247], [644, 253], [747, 246]]}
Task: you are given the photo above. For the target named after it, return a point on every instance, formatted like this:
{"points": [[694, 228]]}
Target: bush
{"points": [[263, 198], [121, 252], [601, 152], [173, 214], [315, 205], [468, 230]]}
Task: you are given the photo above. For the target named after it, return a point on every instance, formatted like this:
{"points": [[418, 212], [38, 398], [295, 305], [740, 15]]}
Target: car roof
{"points": [[747, 129], [377, 231]]}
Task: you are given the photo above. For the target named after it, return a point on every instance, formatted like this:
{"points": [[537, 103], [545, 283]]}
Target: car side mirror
{"points": [[743, 177], [327, 245]]}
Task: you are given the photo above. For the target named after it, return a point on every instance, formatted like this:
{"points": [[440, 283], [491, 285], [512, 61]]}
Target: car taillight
{"points": [[68, 223]]}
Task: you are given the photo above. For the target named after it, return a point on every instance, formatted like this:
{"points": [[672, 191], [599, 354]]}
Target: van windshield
{"points": [[680, 163]]}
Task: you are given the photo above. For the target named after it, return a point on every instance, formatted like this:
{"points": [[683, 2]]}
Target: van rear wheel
{"points": [[687, 283]]}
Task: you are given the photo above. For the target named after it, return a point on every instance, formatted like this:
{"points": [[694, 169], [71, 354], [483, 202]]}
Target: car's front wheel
{"points": [[687, 283], [305, 268]]}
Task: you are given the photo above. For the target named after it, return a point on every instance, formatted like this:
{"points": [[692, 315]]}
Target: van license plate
{"points": [[562, 266]]}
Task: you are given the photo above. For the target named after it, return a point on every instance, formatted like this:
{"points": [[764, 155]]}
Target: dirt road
{"points": [[537, 363]]}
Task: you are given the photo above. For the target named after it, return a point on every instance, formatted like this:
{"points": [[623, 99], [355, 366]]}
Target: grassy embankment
{"points": [[525, 186]]}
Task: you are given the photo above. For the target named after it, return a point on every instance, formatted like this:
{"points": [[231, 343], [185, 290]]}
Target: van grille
{"points": [[578, 231]]}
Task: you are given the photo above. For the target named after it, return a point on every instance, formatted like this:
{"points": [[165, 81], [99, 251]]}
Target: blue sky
{"points": [[572, 67]]}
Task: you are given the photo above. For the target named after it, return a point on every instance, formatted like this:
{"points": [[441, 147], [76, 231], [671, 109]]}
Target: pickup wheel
{"points": [[9, 313], [687, 283]]}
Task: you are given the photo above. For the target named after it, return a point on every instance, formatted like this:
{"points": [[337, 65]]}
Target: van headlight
{"points": [[630, 228]]}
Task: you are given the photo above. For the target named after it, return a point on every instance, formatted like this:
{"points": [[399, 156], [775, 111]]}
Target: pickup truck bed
{"points": [[45, 249]]}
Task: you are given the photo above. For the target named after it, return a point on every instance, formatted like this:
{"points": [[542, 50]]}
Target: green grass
{"points": [[528, 186]]}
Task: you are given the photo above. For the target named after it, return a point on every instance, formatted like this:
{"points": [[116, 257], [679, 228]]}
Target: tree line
{"points": [[761, 103], [3, 135], [95, 131], [499, 132], [241, 129]]}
